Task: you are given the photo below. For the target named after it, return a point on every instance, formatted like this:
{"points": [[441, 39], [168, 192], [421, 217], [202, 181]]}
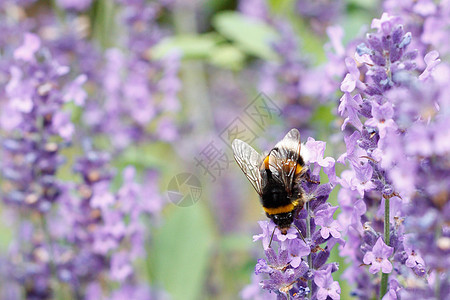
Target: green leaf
{"points": [[227, 56], [236, 242], [346, 289], [65, 171], [322, 120], [6, 235], [355, 23], [74, 110], [310, 42], [250, 35], [324, 114], [364, 4], [190, 46], [181, 252], [280, 5], [145, 156]]}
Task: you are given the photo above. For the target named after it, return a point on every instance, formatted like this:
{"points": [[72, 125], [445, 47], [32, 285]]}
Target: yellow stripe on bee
{"points": [[286, 165], [282, 209], [266, 162], [298, 169]]}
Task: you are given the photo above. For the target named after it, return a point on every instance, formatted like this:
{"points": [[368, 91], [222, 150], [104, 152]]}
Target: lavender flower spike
{"points": [[378, 257]]}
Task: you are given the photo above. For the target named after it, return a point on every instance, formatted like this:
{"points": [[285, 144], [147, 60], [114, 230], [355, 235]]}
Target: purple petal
{"points": [[369, 257], [382, 112], [348, 84], [315, 149], [381, 250], [410, 262], [335, 233], [352, 67], [372, 122], [431, 60], [322, 294], [325, 232], [298, 248], [30, 45], [295, 262], [335, 291], [61, 123], [390, 295], [262, 267], [353, 119], [375, 267], [10, 118], [320, 278], [336, 33], [386, 266]]}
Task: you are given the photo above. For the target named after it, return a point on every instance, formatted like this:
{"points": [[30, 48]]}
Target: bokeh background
{"points": [[162, 88]]}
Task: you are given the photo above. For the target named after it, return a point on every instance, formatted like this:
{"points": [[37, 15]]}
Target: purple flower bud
{"points": [[397, 34], [370, 235], [366, 109], [406, 40], [375, 43], [317, 239], [362, 49], [262, 267], [320, 258]]}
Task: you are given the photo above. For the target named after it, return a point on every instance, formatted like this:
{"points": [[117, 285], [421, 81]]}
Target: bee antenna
{"points": [[299, 232], [271, 237]]}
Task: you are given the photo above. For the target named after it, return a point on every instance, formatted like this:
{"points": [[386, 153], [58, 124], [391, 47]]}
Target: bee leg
{"points": [[308, 178], [300, 233], [271, 237]]}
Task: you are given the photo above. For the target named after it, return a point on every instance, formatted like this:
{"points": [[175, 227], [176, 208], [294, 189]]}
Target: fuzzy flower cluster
{"points": [[292, 77], [35, 128], [138, 92], [106, 228], [299, 269], [320, 14], [79, 232], [397, 157], [299, 83], [35, 124], [76, 233]]}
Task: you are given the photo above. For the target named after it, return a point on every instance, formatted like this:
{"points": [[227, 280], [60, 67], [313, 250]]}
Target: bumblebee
{"points": [[276, 177]]}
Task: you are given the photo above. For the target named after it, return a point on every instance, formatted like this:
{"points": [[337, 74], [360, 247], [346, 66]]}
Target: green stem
{"points": [[102, 16], [308, 238], [194, 92], [384, 276], [437, 291], [60, 14]]}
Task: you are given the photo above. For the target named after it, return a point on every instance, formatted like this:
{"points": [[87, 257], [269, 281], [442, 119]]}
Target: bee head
{"points": [[283, 220]]}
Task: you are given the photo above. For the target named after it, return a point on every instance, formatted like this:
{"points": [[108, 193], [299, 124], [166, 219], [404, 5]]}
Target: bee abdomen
{"points": [[279, 210]]}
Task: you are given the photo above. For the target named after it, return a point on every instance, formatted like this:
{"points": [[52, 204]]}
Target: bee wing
{"points": [[249, 161], [284, 156]]}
